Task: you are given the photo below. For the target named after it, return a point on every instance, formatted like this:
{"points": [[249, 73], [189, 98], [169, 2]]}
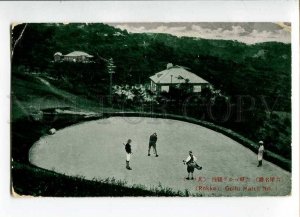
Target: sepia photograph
{"points": [[151, 109]]}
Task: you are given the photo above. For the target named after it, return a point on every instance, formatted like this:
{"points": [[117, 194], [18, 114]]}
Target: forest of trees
{"points": [[259, 72]]}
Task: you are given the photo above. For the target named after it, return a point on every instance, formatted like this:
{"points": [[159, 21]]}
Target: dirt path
{"points": [[95, 150]]}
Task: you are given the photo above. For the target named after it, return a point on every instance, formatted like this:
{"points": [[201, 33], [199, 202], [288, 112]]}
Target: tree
{"points": [[111, 70]]}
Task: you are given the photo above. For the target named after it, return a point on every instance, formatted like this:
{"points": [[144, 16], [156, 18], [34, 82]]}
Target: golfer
{"points": [[128, 153], [260, 153], [152, 143], [191, 165]]}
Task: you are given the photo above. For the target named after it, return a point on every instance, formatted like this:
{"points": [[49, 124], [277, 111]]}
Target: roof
{"points": [[178, 75], [78, 53], [58, 53]]}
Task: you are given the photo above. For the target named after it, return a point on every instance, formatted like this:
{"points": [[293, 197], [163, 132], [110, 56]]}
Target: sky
{"points": [[249, 33]]}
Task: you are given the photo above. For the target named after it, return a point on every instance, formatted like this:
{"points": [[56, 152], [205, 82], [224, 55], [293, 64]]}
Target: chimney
{"points": [[169, 65]]}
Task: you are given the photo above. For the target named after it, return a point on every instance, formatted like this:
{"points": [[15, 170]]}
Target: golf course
{"points": [[95, 150]]}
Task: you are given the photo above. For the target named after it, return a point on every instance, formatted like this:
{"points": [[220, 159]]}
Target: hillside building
{"points": [[176, 75], [75, 56]]}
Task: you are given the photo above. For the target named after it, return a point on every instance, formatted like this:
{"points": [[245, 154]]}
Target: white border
{"points": [[267, 11]]}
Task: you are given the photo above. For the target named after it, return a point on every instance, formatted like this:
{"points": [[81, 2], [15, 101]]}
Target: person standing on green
{"points": [[191, 165], [152, 143], [128, 153], [260, 153]]}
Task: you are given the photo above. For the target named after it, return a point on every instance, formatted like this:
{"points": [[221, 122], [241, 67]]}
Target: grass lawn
{"points": [[94, 150]]}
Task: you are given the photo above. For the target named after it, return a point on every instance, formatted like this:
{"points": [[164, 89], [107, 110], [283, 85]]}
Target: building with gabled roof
{"points": [[175, 75], [75, 56]]}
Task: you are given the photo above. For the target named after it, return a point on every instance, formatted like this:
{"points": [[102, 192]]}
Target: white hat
{"points": [[261, 142]]}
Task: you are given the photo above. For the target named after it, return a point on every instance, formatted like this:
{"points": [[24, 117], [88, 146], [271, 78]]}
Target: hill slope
{"points": [[226, 64], [33, 93]]}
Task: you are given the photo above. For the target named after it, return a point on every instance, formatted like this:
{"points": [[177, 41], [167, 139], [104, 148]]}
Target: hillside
{"points": [[226, 64], [258, 73], [31, 94]]}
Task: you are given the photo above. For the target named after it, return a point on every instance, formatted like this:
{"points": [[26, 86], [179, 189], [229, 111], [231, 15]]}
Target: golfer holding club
{"points": [[191, 165], [128, 153], [152, 143]]}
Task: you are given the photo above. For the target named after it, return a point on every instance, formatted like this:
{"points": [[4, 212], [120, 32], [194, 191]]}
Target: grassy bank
{"points": [[31, 180]]}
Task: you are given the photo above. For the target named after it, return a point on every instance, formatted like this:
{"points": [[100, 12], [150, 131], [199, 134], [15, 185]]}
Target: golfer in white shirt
{"points": [[260, 153], [191, 165]]}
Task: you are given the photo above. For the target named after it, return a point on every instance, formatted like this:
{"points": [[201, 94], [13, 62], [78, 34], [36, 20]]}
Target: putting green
{"points": [[95, 149]]}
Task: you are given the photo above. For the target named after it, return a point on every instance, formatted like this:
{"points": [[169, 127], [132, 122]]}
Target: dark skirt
{"points": [[190, 168]]}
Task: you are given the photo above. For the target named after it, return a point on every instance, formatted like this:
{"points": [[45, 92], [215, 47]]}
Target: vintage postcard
{"points": [[130, 109]]}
